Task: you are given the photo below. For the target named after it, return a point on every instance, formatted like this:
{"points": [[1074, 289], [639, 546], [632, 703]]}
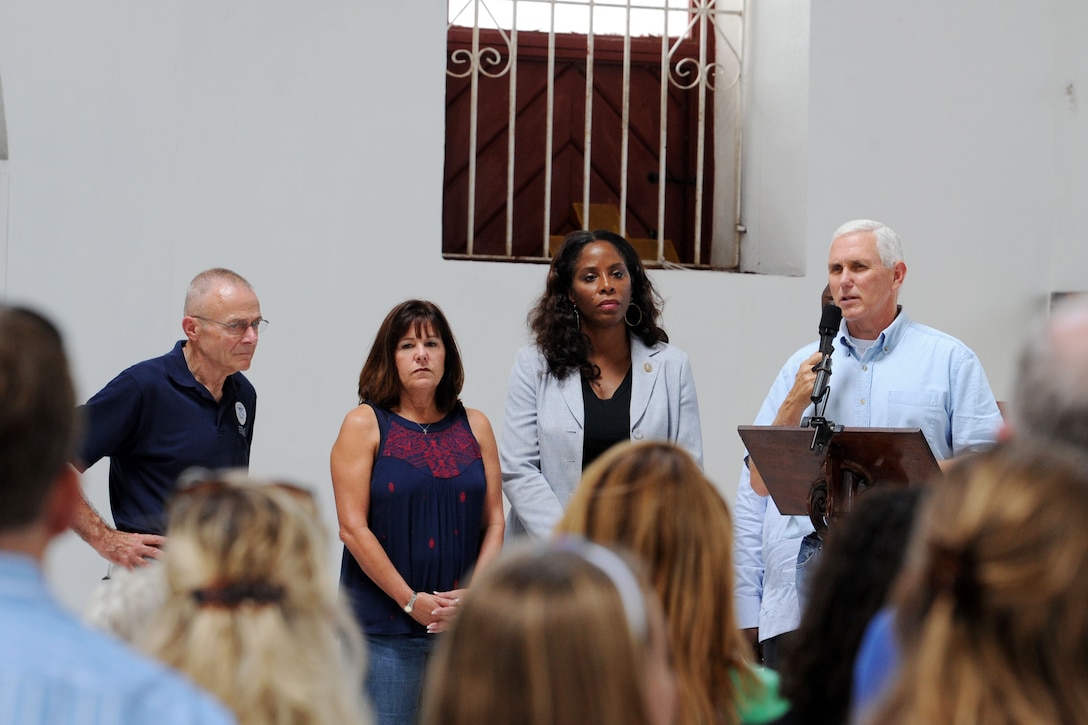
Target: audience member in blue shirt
{"points": [[190, 407], [53, 669], [877, 661], [851, 583]]}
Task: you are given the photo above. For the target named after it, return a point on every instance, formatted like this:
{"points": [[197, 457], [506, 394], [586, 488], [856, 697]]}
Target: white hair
{"points": [[1050, 393], [888, 244]]}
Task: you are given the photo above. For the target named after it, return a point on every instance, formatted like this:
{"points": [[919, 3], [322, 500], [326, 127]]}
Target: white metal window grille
{"points": [[522, 172]]}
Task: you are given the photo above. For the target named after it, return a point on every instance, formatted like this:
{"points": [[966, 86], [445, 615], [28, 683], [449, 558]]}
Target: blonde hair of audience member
{"points": [[652, 498], [129, 604], [552, 635], [251, 613], [993, 603]]}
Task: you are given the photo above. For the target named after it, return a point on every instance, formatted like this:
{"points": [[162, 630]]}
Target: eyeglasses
{"points": [[238, 327]]}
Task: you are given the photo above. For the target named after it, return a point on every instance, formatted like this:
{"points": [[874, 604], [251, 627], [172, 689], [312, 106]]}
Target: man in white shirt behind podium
{"points": [[889, 372]]}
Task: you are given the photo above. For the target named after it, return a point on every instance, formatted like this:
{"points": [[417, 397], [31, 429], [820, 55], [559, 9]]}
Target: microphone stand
{"points": [[824, 428]]}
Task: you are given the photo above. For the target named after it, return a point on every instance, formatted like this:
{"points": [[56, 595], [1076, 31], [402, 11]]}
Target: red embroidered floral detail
{"points": [[445, 453], [463, 497], [391, 487], [430, 543]]}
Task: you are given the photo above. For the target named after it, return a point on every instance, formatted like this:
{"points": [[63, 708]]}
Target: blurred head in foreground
{"points": [[251, 611], [652, 498], [993, 602], [556, 634]]}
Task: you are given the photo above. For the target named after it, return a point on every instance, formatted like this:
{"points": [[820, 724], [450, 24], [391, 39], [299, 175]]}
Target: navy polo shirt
{"points": [[154, 421]]}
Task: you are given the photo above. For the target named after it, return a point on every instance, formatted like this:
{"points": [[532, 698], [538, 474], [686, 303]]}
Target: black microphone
{"points": [[829, 327]]}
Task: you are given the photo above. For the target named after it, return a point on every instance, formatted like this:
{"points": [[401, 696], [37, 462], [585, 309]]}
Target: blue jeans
{"points": [[394, 679], [812, 547]]}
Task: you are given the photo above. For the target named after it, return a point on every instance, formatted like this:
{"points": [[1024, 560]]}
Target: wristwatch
{"points": [[411, 603]]}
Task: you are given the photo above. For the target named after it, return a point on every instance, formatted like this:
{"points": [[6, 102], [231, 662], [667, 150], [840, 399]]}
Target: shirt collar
{"points": [[177, 368], [888, 338], [179, 371]]}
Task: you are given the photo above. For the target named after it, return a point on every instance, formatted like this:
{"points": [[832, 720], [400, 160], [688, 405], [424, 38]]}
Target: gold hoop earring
{"points": [[636, 322]]}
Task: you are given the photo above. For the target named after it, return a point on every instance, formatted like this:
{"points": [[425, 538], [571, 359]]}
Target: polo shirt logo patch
{"points": [[240, 411]]}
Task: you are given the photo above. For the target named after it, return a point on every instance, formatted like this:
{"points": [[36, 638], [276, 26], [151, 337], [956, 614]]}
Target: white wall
{"points": [[301, 144], [774, 153], [1067, 94]]}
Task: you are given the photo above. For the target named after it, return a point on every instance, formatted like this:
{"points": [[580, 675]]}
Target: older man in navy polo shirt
{"points": [[190, 407]]}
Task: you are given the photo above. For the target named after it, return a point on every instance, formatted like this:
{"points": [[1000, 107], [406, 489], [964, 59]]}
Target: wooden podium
{"points": [[823, 482]]}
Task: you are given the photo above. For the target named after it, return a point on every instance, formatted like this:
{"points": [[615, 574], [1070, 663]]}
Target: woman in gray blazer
{"points": [[601, 371]]}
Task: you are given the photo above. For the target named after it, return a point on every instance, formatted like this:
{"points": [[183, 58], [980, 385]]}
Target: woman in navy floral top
{"points": [[419, 500]]}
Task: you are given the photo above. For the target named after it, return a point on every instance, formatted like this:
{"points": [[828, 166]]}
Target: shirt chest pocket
{"points": [[916, 409]]}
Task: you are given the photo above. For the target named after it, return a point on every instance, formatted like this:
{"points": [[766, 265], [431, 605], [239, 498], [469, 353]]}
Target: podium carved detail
{"points": [[822, 481], [832, 495]]}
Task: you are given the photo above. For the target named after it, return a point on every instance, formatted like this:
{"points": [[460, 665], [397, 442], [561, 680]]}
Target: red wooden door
{"points": [[568, 149]]}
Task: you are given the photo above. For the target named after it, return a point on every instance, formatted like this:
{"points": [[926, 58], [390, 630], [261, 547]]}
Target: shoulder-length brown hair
{"points": [[379, 381], [651, 498]]}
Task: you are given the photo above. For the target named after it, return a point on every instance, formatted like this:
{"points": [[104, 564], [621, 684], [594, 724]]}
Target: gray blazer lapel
{"points": [[571, 388], [644, 372]]}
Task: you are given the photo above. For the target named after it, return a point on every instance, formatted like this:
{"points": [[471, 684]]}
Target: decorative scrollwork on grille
{"points": [[490, 62], [485, 61]]}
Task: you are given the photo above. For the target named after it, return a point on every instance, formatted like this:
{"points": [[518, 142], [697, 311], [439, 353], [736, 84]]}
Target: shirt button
{"points": [[863, 401], [637, 434], [648, 367], [864, 367]]}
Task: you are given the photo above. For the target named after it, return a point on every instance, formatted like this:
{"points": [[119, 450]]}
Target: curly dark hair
{"points": [[851, 582], [554, 320]]}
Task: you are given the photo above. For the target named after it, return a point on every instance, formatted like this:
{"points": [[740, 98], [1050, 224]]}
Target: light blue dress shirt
{"points": [[913, 376], [56, 671]]}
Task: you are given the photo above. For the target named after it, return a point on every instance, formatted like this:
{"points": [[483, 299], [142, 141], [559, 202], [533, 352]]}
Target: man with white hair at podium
{"points": [[889, 372]]}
